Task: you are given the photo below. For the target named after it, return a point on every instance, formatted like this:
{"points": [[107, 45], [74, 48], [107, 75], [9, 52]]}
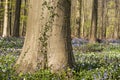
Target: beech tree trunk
{"points": [[47, 42], [5, 33], [59, 49]]}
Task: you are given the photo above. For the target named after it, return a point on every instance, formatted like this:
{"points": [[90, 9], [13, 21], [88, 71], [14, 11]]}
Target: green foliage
{"points": [[98, 48], [11, 43], [94, 65], [6, 66], [90, 48], [90, 66], [113, 48]]}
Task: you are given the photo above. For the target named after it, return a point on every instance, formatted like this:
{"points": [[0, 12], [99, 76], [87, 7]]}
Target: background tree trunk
{"points": [[1, 17], [5, 29], [17, 19], [116, 31], [94, 22]]}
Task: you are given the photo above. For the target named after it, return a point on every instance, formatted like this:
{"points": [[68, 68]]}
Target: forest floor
{"points": [[100, 61]]}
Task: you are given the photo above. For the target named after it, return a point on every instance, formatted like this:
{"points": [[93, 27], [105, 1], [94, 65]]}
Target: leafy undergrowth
{"points": [[93, 62], [11, 42], [97, 48], [94, 66], [10, 45]]}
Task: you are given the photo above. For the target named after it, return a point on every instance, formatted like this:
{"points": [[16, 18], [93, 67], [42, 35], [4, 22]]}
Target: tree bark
{"points": [[24, 11], [94, 22], [30, 55], [60, 50], [10, 17], [47, 44], [116, 31], [5, 33], [17, 19], [1, 17]]}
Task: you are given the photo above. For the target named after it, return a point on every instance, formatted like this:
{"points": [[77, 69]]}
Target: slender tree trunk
{"points": [[10, 17], [102, 26], [100, 18], [105, 20], [78, 18], [17, 19], [87, 17], [94, 22], [13, 16], [1, 17], [23, 25], [119, 20], [116, 31], [5, 33], [82, 19], [73, 14]]}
